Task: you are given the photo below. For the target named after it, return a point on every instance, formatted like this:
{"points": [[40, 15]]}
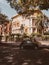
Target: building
{"points": [[27, 23]]}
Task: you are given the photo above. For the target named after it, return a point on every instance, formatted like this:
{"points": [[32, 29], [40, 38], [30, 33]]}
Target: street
{"points": [[12, 55]]}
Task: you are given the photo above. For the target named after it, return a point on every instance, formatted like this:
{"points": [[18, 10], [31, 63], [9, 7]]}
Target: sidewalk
{"points": [[44, 42], [18, 43], [10, 43]]}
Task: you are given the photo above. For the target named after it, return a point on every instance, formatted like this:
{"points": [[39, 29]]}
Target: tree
{"points": [[22, 28], [39, 24], [25, 5], [3, 18]]}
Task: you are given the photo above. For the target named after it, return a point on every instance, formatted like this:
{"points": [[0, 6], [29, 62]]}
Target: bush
{"points": [[45, 37], [35, 34], [46, 33], [25, 35]]}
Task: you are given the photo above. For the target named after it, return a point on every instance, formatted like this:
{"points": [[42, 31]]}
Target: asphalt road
{"points": [[12, 55]]}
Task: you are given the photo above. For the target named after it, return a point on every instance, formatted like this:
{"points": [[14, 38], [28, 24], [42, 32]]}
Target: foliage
{"points": [[35, 34], [22, 27], [18, 34], [3, 18], [46, 33], [45, 37], [24, 35], [25, 5]]}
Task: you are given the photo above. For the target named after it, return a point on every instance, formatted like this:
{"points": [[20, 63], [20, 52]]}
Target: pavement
{"points": [[10, 43], [10, 55], [44, 42]]}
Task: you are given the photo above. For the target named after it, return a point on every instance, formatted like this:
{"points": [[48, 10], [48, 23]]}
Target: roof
{"points": [[15, 16]]}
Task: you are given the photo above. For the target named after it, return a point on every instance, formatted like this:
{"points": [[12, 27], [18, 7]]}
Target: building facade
{"points": [[27, 24]]}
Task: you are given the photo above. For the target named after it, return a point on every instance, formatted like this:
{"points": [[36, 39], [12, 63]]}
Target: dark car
{"points": [[29, 44]]}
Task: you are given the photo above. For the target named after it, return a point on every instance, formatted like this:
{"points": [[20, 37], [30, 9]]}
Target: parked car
{"points": [[29, 44]]}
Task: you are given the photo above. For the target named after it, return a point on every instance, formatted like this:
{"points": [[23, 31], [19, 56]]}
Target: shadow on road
{"points": [[11, 55]]}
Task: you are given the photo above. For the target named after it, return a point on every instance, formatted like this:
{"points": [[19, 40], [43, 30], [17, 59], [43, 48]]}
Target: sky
{"points": [[7, 10]]}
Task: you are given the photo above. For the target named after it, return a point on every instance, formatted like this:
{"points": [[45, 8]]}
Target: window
{"points": [[18, 24]]}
